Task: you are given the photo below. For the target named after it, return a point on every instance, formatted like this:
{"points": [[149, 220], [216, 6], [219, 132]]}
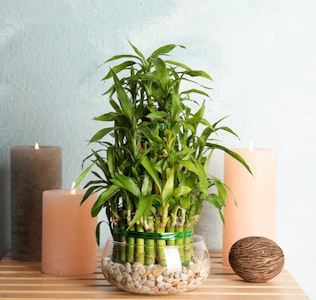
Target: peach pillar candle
{"points": [[255, 212], [68, 234]]}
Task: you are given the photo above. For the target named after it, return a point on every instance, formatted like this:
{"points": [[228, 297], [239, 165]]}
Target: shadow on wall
{"points": [[4, 211]]}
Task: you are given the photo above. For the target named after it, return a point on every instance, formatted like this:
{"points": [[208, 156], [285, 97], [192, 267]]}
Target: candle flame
{"points": [[36, 147], [73, 190], [250, 146]]}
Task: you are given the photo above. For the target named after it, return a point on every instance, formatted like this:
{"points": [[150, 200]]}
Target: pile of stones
{"points": [[155, 279]]}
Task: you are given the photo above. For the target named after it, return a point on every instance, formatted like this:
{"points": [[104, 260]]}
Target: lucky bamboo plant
{"points": [[151, 167]]}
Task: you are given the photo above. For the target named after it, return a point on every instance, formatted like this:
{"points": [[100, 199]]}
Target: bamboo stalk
{"points": [[130, 248], [150, 243], [140, 246], [170, 228], [189, 225], [123, 238], [160, 244], [179, 242], [116, 245], [188, 246]]}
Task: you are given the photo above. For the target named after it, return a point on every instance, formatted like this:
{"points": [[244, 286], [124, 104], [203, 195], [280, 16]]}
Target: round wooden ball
{"points": [[256, 259]]}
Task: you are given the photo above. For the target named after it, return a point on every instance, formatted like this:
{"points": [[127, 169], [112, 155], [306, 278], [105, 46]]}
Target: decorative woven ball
{"points": [[256, 259]]}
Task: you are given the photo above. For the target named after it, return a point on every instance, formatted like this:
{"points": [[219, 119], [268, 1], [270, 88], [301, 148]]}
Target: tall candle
{"points": [[255, 212], [69, 244], [32, 172]]}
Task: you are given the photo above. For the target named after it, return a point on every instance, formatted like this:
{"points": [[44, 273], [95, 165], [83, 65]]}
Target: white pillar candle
{"points": [[32, 172], [255, 212], [68, 245]]}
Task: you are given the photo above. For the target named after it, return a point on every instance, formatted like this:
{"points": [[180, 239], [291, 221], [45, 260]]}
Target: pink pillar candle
{"points": [[68, 235], [255, 212]]}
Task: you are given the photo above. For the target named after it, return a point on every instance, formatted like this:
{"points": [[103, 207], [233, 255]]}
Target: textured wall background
{"points": [[260, 53]]}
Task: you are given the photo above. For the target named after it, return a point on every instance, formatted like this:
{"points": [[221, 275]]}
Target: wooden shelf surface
{"points": [[24, 280]]}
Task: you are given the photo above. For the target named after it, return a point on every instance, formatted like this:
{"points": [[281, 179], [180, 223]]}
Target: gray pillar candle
{"points": [[32, 172]]}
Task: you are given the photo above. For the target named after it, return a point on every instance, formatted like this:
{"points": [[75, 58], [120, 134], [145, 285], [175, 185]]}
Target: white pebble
{"points": [[184, 276], [119, 278], [150, 283], [128, 267], [141, 270], [135, 276]]}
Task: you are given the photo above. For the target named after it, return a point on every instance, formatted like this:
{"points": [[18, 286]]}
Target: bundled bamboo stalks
{"points": [[146, 242]]}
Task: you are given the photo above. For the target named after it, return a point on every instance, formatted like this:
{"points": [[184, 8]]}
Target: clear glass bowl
{"points": [[155, 267]]}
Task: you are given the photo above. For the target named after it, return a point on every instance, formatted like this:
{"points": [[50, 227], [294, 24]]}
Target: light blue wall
{"points": [[260, 53]]}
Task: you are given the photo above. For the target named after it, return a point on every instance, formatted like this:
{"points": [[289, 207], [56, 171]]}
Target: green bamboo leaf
{"points": [[216, 201], [231, 153], [186, 124], [185, 202], [100, 162], [161, 70], [157, 115], [199, 114], [204, 185], [221, 188], [150, 135], [110, 160], [168, 187], [127, 183], [96, 175], [115, 105], [207, 132], [147, 185], [180, 191], [141, 56], [199, 170], [188, 164], [164, 50], [208, 161], [100, 134], [176, 108], [225, 128], [178, 64], [103, 198], [206, 123], [88, 192], [220, 120], [106, 117], [195, 91], [119, 68], [150, 168], [144, 205], [123, 98], [116, 57], [94, 182], [83, 174], [185, 154], [198, 73], [197, 83], [110, 90]]}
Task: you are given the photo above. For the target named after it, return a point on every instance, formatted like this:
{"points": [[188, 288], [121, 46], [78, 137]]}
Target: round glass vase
{"points": [[156, 268]]}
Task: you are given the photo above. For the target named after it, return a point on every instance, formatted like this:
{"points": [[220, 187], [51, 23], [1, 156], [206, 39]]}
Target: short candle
{"points": [[69, 246]]}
